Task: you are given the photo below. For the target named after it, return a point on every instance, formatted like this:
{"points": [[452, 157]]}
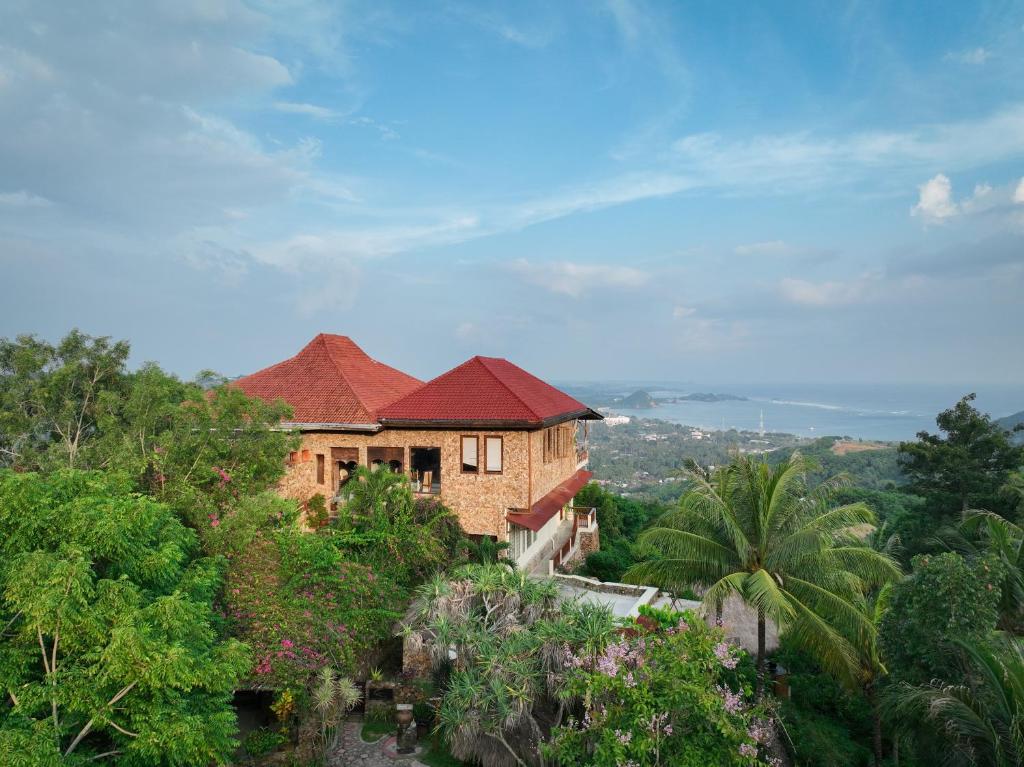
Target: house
{"points": [[500, 447]]}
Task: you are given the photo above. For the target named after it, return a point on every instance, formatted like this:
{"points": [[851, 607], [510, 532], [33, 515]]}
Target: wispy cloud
{"points": [[768, 248], [796, 160], [575, 279], [830, 293], [24, 199], [971, 56], [310, 110]]}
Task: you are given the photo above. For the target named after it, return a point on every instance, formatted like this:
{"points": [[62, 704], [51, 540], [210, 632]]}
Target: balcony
{"points": [[582, 456]]}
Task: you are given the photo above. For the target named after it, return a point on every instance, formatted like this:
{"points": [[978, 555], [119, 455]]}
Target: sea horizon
{"points": [[883, 412]]}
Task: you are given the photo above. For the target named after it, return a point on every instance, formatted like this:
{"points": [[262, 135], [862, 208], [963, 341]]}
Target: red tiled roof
{"points": [[544, 509], [331, 381], [484, 390]]}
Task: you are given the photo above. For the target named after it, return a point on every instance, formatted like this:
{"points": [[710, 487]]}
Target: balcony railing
{"points": [[584, 517], [582, 456]]}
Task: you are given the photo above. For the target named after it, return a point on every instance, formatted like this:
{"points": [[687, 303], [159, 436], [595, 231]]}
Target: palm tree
{"points": [[985, 533], [757, 531], [979, 722]]}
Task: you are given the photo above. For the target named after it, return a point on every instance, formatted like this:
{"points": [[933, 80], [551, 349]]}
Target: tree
{"points": [[295, 598], [965, 468], [501, 637], [50, 396], [982, 535], [759, 532], [218, 447], [667, 692], [109, 648], [379, 524], [946, 598], [976, 723]]}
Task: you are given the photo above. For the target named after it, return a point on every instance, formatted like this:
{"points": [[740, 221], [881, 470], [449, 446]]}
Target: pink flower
{"points": [[287, 644], [723, 651]]}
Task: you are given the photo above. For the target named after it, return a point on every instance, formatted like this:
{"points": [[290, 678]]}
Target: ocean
{"points": [[870, 412]]}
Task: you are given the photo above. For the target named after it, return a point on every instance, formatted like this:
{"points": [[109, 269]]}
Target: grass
{"points": [[375, 730], [438, 756]]}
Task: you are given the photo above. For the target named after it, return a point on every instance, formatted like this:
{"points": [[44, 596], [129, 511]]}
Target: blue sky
{"points": [[623, 189]]}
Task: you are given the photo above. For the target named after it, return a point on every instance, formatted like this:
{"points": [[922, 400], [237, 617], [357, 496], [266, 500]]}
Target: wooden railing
{"points": [[582, 455]]}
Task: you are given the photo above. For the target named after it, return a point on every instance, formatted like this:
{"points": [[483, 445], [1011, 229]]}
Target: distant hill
{"points": [[638, 400], [1010, 422], [709, 397]]}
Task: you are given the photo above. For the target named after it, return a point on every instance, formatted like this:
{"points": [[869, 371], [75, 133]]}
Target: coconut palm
{"points": [[979, 722], [757, 531]]}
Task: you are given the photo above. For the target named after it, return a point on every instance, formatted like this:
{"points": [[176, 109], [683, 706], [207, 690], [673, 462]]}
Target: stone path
{"points": [[353, 750]]}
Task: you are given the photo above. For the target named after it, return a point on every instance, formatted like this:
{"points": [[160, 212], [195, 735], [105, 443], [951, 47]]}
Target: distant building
{"points": [[616, 420], [504, 450]]}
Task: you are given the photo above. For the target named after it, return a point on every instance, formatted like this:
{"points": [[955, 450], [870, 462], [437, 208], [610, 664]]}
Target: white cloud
{"points": [[709, 335], [770, 248], [466, 331], [23, 199], [680, 312], [788, 161], [575, 279], [972, 56], [935, 199], [310, 110], [1018, 194], [830, 293]]}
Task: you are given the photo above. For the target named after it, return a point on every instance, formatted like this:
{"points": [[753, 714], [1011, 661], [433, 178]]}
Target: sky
{"points": [[700, 191]]}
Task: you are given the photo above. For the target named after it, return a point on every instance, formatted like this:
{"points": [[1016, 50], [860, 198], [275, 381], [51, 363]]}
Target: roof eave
{"points": [[357, 427], [490, 423]]}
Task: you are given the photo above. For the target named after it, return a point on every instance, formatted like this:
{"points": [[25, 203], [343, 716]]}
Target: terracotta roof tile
{"points": [[331, 381], [483, 389], [544, 509]]}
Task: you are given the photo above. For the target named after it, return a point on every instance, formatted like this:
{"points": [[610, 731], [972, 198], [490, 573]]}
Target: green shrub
{"points": [[820, 741], [262, 741]]}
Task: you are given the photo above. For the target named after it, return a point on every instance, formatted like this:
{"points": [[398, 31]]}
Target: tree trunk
{"points": [[876, 722], [760, 654]]}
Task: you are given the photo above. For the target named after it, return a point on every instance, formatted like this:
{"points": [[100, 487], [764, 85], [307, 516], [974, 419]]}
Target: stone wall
{"points": [[589, 542], [547, 476], [479, 500]]}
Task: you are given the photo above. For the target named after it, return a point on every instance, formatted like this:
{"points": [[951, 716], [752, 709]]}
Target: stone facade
{"points": [[589, 543], [479, 499]]}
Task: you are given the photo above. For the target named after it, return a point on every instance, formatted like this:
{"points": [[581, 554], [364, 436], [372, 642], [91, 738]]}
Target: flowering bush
{"points": [[661, 696], [296, 600]]}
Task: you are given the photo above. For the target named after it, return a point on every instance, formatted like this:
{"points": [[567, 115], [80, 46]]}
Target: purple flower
{"points": [[723, 651]]}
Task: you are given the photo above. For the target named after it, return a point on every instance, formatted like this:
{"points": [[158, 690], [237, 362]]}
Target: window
{"points": [[493, 455], [470, 455], [558, 442], [320, 468]]}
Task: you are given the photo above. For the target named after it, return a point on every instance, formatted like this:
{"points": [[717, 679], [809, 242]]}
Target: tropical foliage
{"points": [[502, 641], [945, 599], [110, 649], [759, 532], [666, 692], [976, 721], [300, 605]]}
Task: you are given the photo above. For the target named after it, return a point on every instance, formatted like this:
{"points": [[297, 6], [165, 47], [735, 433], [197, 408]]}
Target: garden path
{"points": [[353, 751]]}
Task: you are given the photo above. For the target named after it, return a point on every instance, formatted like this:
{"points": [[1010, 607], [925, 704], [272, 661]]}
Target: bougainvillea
{"points": [[666, 693], [295, 599]]}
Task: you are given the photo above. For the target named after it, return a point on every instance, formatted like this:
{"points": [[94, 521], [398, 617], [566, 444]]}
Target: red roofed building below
{"points": [[503, 449]]}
